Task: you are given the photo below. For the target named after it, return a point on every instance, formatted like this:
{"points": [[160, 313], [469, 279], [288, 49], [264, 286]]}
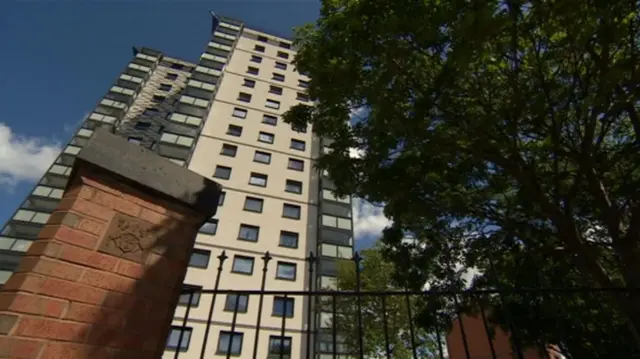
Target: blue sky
{"points": [[59, 58]]}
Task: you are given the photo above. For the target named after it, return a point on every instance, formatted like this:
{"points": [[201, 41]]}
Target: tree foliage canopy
{"points": [[491, 127], [376, 276]]}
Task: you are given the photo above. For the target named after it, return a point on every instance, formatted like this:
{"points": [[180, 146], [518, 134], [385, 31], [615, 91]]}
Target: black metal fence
{"points": [[476, 323]]}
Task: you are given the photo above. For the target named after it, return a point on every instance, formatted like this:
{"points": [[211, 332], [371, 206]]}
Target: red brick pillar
{"points": [[104, 276]]}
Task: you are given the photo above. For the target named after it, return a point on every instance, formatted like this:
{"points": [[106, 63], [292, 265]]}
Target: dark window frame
{"points": [[290, 235], [255, 200], [184, 298], [180, 346], [260, 176], [232, 336], [210, 221], [222, 168], [285, 311], [248, 226], [295, 160], [292, 182], [289, 264], [273, 137], [253, 264], [230, 302], [200, 251], [289, 205], [231, 128], [268, 162], [233, 150]]}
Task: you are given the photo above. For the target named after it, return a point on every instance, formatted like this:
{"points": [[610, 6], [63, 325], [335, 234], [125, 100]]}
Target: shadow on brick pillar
{"points": [[104, 277]]}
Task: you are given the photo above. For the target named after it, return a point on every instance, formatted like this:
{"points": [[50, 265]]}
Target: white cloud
{"points": [[368, 220], [23, 158]]}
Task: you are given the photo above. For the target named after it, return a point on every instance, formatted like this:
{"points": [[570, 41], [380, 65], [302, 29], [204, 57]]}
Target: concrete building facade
{"points": [[221, 118]]}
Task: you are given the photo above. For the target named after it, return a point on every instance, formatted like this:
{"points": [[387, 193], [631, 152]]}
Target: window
{"points": [[303, 84], [234, 130], [272, 104], [165, 87], [281, 65], [297, 165], [221, 199], [286, 271], [284, 45], [283, 307], [299, 129], [258, 179], [174, 337], [262, 38], [280, 345], [195, 295], [222, 172], [266, 137], [297, 145], [293, 186], [337, 222], [249, 232], [252, 70], [253, 204], [283, 55], [236, 302], [239, 112], [277, 77], [136, 140], [230, 343], [242, 265], [249, 83], [244, 97], [262, 157], [302, 97], [158, 99], [199, 258], [171, 76], [269, 120], [229, 150], [288, 239], [275, 90], [209, 227], [258, 48], [291, 211], [150, 112], [256, 59], [142, 125], [177, 66]]}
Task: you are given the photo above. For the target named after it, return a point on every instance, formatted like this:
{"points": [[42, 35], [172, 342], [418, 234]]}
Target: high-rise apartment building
{"points": [[221, 117]]}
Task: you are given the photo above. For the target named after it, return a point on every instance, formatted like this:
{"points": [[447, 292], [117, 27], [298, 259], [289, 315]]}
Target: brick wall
{"points": [[478, 342], [103, 278]]}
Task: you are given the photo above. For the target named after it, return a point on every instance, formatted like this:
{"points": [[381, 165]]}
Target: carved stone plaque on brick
{"points": [[129, 237]]}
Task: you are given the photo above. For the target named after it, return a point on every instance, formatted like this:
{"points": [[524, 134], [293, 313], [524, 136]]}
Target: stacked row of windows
{"points": [[228, 342], [251, 233], [243, 264], [270, 120]]}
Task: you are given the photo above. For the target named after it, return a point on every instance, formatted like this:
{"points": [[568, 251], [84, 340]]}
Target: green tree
{"points": [[376, 275], [511, 120]]}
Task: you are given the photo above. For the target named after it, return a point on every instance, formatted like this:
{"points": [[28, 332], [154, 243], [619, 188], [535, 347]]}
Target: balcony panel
{"points": [[218, 52], [41, 204], [136, 73], [218, 46], [181, 129], [205, 77], [173, 151], [130, 82], [191, 110], [336, 236], [198, 93], [22, 229]]}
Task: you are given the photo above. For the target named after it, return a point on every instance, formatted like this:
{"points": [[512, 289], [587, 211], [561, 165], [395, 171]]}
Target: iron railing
{"points": [[477, 323]]}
